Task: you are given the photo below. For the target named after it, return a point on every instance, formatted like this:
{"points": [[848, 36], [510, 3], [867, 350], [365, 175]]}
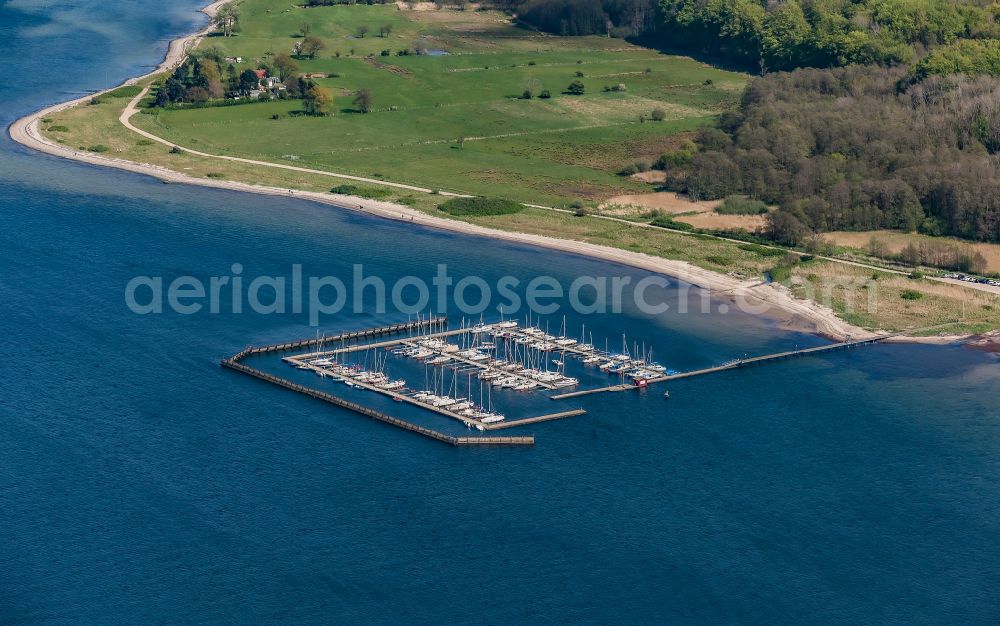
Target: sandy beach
{"points": [[771, 300]]}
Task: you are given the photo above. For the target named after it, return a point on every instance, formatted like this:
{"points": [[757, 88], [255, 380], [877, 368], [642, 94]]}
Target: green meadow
{"points": [[455, 121]]}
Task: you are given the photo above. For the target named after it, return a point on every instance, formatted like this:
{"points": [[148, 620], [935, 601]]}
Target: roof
{"points": [[260, 73]]}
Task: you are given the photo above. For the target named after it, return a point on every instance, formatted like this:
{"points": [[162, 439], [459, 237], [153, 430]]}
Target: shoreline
{"points": [[777, 303]]}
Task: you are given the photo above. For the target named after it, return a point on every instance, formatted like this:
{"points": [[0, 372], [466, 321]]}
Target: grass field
{"points": [[543, 162], [550, 151], [895, 241]]}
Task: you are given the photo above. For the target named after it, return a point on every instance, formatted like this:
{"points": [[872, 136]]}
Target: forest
{"points": [[856, 148], [785, 35], [934, 36], [620, 18]]}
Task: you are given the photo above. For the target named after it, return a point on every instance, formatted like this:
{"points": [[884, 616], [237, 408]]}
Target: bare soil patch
{"points": [[666, 201]]}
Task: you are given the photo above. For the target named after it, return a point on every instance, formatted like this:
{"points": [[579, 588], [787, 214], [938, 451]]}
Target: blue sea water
{"points": [[141, 483]]}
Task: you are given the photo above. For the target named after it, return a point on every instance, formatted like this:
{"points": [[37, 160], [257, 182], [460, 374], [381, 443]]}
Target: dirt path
{"points": [[767, 299]]}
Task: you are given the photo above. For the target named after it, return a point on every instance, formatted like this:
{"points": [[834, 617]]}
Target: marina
{"points": [[463, 366]]}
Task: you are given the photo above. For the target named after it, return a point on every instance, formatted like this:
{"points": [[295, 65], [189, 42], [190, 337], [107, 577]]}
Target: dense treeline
{"points": [[807, 33], [856, 148], [621, 18], [781, 35], [330, 3]]}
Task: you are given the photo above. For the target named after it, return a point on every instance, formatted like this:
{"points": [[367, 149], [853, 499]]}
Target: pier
{"points": [[731, 365], [441, 410], [393, 329], [235, 365], [407, 338], [416, 334]]}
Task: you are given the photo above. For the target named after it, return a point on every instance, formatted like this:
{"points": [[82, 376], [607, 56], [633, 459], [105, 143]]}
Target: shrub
{"points": [[634, 168], [145, 142], [576, 88], [526, 95], [581, 212], [94, 101], [98, 148], [915, 275], [372, 193], [664, 221], [911, 294], [128, 91], [675, 158], [741, 205], [780, 273], [215, 175], [658, 115], [579, 74], [176, 150], [762, 250], [480, 205], [545, 94]]}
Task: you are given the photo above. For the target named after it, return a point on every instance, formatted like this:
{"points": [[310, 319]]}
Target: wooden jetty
{"points": [[736, 364], [534, 420]]}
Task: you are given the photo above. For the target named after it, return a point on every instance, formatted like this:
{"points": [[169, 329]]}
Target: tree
{"points": [[317, 101], [658, 115], [227, 19], [175, 90], [576, 88], [384, 30], [713, 175], [162, 99], [294, 87], [305, 28], [363, 100], [196, 94], [211, 78], [783, 227], [248, 81], [285, 65], [362, 31], [311, 46]]}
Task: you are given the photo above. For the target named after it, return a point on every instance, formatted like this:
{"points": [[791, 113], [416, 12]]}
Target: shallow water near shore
{"points": [[141, 483]]}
